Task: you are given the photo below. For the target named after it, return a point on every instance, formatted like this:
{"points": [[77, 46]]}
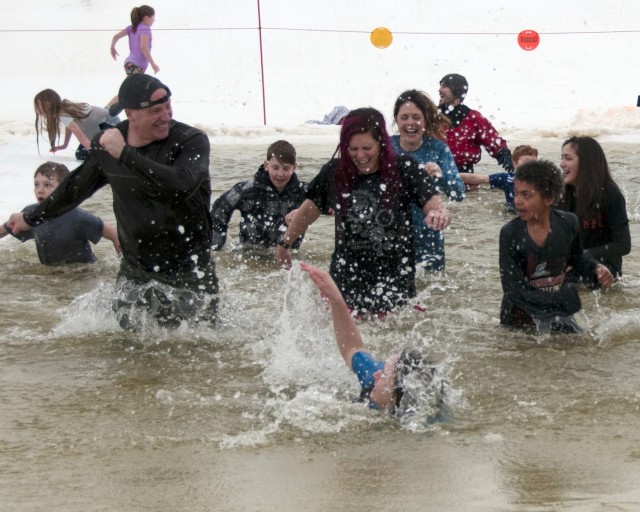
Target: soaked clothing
{"points": [[606, 235], [534, 278], [65, 239], [161, 196], [429, 243], [136, 56], [470, 132], [373, 260], [183, 296], [364, 366], [504, 181], [262, 209]]}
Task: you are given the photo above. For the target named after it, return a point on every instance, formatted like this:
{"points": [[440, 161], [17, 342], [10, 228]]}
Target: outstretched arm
{"points": [[474, 179], [347, 334], [306, 215]]}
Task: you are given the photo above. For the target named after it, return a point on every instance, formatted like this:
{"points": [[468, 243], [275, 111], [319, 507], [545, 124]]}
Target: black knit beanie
{"points": [[457, 83]]}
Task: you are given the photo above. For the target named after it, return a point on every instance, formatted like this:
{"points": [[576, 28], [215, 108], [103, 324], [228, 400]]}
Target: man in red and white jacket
{"points": [[470, 130]]}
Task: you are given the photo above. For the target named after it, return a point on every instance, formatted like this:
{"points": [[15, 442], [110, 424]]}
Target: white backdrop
{"points": [[317, 54]]}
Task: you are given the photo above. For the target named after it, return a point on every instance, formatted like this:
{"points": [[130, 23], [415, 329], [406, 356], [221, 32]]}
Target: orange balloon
{"points": [[381, 37]]}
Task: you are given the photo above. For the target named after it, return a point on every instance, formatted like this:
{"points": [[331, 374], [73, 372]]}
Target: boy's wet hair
{"points": [[53, 170], [545, 176], [283, 151], [523, 150]]}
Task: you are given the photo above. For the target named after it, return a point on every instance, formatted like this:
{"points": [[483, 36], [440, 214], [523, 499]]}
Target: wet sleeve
{"points": [[418, 184], [320, 189], [536, 303], [222, 211], [187, 169], [486, 135], [89, 227], [618, 224], [452, 182]]}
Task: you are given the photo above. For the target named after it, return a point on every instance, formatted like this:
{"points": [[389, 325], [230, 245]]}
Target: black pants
{"points": [[188, 296]]}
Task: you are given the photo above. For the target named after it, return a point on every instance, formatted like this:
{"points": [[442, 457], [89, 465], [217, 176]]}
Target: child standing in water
{"points": [[536, 250], [503, 180], [263, 202], [66, 238], [80, 119], [139, 34]]}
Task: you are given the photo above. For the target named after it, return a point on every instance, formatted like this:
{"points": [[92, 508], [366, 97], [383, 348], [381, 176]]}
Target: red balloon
{"points": [[528, 40]]}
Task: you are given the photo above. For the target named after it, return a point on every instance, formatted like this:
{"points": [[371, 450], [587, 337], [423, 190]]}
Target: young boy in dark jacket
{"points": [[263, 202]]}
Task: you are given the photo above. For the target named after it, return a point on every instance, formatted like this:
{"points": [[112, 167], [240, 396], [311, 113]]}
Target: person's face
{"points": [[523, 160], [529, 203], [569, 163], [411, 123], [153, 123], [364, 151], [279, 173], [382, 393], [43, 186], [149, 20], [447, 99]]}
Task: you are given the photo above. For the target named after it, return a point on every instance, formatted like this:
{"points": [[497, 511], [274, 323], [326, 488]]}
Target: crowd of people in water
{"points": [[386, 193]]}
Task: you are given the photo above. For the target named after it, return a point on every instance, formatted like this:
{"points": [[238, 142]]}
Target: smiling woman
{"points": [[592, 194], [421, 132], [370, 191]]}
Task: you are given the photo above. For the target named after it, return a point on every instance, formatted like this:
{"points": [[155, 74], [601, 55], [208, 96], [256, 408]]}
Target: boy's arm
{"points": [[347, 334], [222, 211], [110, 233], [583, 262], [4, 231]]}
